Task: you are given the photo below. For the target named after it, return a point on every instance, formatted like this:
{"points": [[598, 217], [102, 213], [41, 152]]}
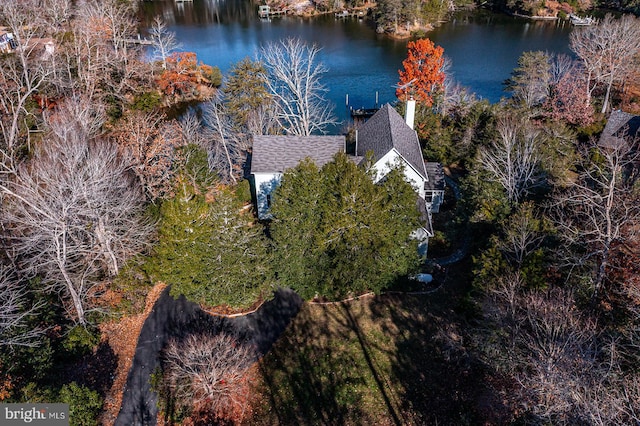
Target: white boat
{"points": [[587, 20]]}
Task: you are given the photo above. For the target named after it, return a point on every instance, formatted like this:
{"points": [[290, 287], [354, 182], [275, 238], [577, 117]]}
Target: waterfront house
{"points": [[273, 155], [393, 141], [386, 137]]}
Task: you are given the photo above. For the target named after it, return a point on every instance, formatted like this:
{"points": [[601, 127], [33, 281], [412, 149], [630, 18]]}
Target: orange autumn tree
{"points": [[422, 72], [184, 74]]}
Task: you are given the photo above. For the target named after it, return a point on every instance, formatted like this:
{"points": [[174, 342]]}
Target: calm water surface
{"points": [[484, 47]]}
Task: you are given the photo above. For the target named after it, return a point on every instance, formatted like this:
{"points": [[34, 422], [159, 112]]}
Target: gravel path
{"points": [[178, 317]]}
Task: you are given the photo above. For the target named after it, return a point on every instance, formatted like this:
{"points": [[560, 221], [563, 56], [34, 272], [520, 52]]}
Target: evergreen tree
{"points": [[298, 201], [209, 248], [184, 233], [237, 266], [336, 232], [246, 93], [529, 82]]}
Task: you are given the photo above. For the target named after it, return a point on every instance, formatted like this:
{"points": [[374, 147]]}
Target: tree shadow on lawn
{"points": [[312, 375], [331, 367], [387, 360], [440, 381]]}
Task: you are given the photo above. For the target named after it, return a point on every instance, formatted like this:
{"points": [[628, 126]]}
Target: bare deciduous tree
{"points": [[294, 82], [607, 50], [55, 13], [191, 129], [567, 101], [207, 372], [454, 98], [566, 370], [561, 64], [227, 148], [512, 160], [558, 348], [14, 313], [163, 41], [150, 143], [115, 20], [596, 210], [79, 115], [74, 214], [98, 60], [23, 73]]}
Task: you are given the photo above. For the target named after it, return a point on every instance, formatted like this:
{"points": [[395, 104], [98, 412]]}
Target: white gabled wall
{"points": [[265, 184], [391, 159]]}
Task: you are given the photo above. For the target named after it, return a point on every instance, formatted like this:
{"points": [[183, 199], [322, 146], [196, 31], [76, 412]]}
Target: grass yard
{"points": [[381, 360]]}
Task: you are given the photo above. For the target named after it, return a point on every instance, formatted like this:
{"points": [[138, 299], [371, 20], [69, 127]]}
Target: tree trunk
{"points": [[110, 257], [601, 273], [75, 296], [605, 105]]}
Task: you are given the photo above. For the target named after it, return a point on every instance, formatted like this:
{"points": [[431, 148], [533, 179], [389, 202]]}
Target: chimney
{"points": [[410, 112], [356, 149]]}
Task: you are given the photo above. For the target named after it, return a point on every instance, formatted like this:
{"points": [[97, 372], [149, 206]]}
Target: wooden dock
{"points": [[360, 115], [140, 40], [350, 14], [265, 11]]}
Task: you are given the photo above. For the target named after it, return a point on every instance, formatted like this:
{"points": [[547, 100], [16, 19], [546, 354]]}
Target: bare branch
{"points": [[294, 82], [596, 210], [14, 313], [207, 372], [227, 148], [163, 41], [513, 158], [74, 215], [607, 50]]}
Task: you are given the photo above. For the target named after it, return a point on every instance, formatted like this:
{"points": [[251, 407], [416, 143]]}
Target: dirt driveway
{"points": [[177, 317]]}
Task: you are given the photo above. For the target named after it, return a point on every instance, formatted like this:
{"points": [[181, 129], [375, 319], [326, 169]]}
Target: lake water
{"points": [[484, 47]]}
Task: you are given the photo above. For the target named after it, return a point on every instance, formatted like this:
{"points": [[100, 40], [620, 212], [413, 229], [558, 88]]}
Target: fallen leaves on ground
{"points": [[122, 336]]}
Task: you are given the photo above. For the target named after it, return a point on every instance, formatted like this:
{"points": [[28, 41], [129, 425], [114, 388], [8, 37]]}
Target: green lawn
{"points": [[380, 360]]}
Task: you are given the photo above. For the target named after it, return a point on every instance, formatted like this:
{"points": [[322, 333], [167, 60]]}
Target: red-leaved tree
{"points": [[422, 72]]}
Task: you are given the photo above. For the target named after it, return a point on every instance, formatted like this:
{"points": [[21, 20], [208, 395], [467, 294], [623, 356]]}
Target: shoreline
{"points": [[305, 10]]}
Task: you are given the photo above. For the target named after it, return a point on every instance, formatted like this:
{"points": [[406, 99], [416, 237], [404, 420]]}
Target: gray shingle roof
{"points": [[425, 217], [621, 127], [387, 130], [279, 153], [435, 171]]}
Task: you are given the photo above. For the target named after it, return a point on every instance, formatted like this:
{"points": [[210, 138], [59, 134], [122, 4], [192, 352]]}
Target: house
{"points": [[621, 128], [273, 155], [386, 136], [394, 142], [41, 48], [7, 41]]}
